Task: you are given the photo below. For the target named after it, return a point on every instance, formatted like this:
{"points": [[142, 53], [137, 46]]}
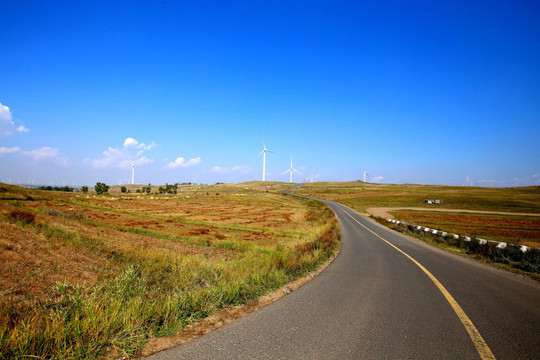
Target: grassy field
{"points": [[85, 276], [362, 196], [509, 227]]}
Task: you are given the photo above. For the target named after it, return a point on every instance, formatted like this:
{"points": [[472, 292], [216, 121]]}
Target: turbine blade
{"points": [[258, 155], [298, 171], [286, 171]]}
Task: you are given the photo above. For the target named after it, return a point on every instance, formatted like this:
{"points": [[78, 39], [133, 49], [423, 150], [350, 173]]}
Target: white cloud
{"points": [[130, 142], [181, 162], [46, 153], [226, 170], [131, 151], [11, 150], [146, 147], [7, 127], [377, 179], [143, 160], [113, 158], [6, 124], [220, 170]]}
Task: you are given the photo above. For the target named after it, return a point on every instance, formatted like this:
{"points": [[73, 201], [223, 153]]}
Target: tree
{"points": [[123, 189], [101, 188], [84, 189], [168, 189]]}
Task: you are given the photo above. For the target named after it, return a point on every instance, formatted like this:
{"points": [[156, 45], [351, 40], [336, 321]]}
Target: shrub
{"points": [[101, 188]]}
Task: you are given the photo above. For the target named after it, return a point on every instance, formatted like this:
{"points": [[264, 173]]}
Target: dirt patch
{"points": [[31, 265]]}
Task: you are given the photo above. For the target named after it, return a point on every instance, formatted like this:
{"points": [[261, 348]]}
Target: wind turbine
{"points": [[291, 169], [310, 178], [365, 173], [263, 152], [132, 173]]}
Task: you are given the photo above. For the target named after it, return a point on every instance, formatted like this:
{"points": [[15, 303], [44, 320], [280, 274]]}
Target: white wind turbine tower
{"points": [[265, 150], [365, 173], [291, 169], [132, 173]]}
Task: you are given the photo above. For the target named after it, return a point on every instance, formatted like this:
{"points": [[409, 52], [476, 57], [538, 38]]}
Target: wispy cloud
{"points": [[530, 180], [11, 150], [226, 170], [377, 179], [7, 126], [181, 162], [46, 153], [131, 151]]}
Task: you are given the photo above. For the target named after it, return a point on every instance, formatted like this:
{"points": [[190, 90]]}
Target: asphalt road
{"points": [[374, 302]]}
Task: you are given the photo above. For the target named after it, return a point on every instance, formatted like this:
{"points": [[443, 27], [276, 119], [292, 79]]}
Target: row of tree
{"points": [[56, 188], [102, 188]]}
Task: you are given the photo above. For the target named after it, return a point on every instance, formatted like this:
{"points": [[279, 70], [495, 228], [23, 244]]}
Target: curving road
{"points": [[387, 296]]}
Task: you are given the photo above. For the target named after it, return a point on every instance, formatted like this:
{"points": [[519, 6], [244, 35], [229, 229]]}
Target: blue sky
{"points": [[413, 92]]}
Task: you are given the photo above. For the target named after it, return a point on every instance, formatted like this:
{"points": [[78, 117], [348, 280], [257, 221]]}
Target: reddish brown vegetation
{"points": [[23, 216], [510, 229]]}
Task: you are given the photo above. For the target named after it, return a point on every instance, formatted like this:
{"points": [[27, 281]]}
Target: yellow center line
{"points": [[474, 334]]}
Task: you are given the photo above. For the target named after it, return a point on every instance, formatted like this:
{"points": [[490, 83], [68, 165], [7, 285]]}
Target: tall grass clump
{"points": [[69, 215]]}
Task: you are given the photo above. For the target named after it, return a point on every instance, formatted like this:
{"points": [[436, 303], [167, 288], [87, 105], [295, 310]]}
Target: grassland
{"points": [[509, 226], [362, 196], [85, 276], [502, 214]]}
